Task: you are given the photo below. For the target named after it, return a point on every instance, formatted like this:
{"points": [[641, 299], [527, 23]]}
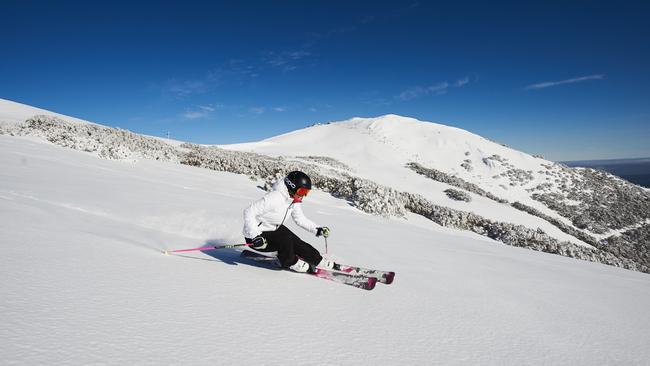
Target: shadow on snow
{"points": [[229, 256]]}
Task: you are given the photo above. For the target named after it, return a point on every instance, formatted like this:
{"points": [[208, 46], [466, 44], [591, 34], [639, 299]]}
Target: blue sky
{"points": [[568, 80]]}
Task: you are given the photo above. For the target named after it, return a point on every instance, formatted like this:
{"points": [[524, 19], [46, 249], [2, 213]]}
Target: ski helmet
{"points": [[296, 180]]}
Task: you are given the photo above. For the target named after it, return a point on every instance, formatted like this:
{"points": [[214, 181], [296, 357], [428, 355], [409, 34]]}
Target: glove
{"points": [[257, 242], [324, 231]]}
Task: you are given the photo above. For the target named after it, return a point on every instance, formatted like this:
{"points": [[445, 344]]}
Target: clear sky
{"points": [[568, 80]]}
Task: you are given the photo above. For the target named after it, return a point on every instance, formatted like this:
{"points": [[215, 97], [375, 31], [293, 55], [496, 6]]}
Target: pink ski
{"points": [[385, 277], [363, 282], [351, 279]]}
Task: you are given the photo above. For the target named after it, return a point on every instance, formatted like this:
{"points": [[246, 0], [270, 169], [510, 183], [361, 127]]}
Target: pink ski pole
{"points": [[211, 247]]}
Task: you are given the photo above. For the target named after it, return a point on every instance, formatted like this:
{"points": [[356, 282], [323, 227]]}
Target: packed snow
{"points": [[83, 280]]}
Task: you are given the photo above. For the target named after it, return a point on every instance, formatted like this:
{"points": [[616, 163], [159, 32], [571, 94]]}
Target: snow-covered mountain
{"points": [[582, 206], [391, 149], [82, 279]]}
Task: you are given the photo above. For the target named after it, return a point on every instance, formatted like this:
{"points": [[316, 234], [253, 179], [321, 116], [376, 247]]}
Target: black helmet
{"points": [[296, 180]]}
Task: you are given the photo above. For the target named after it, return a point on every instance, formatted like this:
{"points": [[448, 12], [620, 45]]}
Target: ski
{"points": [[358, 281], [385, 277], [265, 260], [259, 257], [355, 280]]}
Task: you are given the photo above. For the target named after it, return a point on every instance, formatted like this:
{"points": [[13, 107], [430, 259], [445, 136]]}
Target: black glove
{"points": [[324, 231], [257, 242]]}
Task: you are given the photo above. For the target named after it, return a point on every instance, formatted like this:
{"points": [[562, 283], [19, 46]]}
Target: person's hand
{"points": [[257, 242], [324, 231]]}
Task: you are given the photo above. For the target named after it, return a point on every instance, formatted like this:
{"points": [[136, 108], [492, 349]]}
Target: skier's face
{"points": [[300, 194]]}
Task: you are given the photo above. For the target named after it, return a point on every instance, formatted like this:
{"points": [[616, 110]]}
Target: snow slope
{"points": [[82, 280], [12, 112]]}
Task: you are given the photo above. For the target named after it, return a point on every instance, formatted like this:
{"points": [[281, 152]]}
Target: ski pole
{"points": [[211, 247], [324, 237]]}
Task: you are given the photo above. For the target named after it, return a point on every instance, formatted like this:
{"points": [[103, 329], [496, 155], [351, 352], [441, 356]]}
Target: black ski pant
{"points": [[289, 247]]}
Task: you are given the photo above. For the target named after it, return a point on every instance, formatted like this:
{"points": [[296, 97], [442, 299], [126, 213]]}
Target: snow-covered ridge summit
{"points": [[397, 140], [392, 165], [395, 126]]}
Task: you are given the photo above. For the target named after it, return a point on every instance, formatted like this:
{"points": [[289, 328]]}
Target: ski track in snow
{"points": [[82, 280]]}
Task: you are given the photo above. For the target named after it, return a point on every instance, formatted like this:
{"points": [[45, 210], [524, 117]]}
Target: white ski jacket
{"points": [[269, 212]]}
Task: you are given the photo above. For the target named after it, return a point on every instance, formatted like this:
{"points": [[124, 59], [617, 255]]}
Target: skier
{"points": [[264, 225]]}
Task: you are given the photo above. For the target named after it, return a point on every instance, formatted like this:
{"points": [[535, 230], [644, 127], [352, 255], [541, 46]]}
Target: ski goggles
{"points": [[302, 192]]}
